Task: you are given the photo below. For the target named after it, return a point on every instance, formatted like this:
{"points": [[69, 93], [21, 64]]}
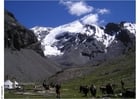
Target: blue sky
{"points": [[55, 13]]}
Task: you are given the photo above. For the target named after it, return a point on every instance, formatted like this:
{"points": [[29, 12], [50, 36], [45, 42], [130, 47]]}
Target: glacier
{"points": [[47, 35]]}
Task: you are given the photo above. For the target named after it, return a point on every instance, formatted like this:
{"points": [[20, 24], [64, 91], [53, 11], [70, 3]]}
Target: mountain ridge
{"points": [[86, 41]]}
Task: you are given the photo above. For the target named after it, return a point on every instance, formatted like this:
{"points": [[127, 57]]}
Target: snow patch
{"points": [[130, 27], [41, 32], [49, 51]]}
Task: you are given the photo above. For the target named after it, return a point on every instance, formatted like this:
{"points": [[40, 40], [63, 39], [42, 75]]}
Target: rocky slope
{"points": [[23, 59]]}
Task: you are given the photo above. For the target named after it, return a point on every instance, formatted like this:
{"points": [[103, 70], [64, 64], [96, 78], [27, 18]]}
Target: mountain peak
{"points": [[67, 32]]}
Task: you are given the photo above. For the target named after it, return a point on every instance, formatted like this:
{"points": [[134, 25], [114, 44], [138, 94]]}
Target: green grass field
{"points": [[111, 72]]}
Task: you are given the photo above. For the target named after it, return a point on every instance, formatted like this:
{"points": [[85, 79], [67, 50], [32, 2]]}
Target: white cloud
{"points": [[90, 19], [77, 8], [103, 11]]}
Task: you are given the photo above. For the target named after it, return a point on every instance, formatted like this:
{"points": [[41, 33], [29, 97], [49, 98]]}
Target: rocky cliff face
{"points": [[23, 59], [17, 36]]}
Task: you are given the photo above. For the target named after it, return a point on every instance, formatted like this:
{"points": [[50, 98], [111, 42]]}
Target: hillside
{"points": [[28, 66], [112, 72], [23, 57]]}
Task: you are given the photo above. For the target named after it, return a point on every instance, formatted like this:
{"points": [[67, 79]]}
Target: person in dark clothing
{"points": [[122, 84], [45, 85], [93, 90], [57, 87], [85, 90], [109, 89]]}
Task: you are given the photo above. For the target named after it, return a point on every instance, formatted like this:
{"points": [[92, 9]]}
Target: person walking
{"points": [[93, 90], [57, 88]]}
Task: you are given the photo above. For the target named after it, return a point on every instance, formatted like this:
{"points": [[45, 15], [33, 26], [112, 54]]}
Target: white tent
{"points": [[11, 85], [8, 84]]}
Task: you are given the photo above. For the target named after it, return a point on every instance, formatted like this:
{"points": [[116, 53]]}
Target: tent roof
{"points": [[8, 82]]}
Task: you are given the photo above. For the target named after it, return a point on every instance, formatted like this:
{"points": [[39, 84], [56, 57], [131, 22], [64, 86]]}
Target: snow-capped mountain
{"points": [[50, 36], [77, 39], [130, 27]]}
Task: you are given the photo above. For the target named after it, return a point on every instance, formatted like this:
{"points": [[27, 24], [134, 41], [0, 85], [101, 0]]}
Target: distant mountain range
{"points": [[39, 53]]}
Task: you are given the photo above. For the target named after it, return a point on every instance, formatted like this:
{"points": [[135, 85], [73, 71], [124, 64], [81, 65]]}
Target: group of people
{"points": [[108, 89]]}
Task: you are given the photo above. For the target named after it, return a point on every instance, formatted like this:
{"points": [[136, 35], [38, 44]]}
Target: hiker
{"points": [[45, 85], [93, 90], [122, 84], [57, 88]]}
